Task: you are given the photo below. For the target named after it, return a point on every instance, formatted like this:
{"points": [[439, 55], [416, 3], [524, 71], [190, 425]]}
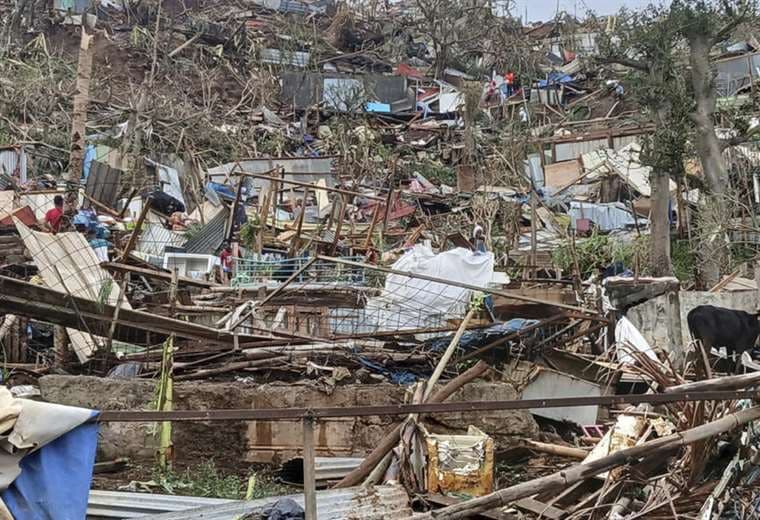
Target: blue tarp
{"points": [[554, 79], [475, 338], [54, 483]]}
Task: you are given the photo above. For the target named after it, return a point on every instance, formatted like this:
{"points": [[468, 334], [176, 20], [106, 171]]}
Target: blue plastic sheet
{"points": [[554, 79], [475, 338], [54, 483], [399, 377]]}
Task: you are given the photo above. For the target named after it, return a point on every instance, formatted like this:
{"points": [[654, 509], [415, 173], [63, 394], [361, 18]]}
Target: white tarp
{"points": [[627, 336], [411, 303], [68, 264]]}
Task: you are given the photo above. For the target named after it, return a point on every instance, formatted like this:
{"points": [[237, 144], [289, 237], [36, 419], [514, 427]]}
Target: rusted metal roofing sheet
{"points": [[376, 503]]}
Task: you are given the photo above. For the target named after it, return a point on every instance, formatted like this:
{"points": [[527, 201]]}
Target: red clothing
{"points": [[226, 258], [53, 218]]}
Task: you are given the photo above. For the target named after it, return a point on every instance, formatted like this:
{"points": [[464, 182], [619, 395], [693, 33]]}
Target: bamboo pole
{"points": [[557, 449], [136, 231], [718, 383], [309, 476]]}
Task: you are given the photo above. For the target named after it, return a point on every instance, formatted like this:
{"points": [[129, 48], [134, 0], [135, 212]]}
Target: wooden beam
{"points": [[312, 186], [136, 231], [44, 304], [157, 275]]}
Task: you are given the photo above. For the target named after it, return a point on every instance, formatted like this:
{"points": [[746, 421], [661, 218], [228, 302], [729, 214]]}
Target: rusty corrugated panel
{"points": [[376, 503]]}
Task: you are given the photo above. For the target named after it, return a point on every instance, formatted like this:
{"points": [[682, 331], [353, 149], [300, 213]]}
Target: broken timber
{"points": [[41, 303]]}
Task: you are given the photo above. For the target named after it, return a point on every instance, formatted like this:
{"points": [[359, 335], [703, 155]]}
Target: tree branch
{"points": [[626, 62], [741, 138], [733, 23]]}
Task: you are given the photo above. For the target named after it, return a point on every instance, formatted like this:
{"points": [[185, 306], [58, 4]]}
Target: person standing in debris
{"points": [[509, 79], [225, 258], [54, 216], [478, 242]]}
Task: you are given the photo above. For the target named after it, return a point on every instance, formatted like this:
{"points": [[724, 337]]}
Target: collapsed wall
{"points": [[240, 442]]}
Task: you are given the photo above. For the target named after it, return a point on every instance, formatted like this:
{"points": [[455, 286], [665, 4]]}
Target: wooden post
{"points": [[233, 210], [263, 216], [173, 292], [112, 328], [135, 232], [78, 123], [533, 245], [309, 476], [338, 226], [375, 215], [294, 242]]}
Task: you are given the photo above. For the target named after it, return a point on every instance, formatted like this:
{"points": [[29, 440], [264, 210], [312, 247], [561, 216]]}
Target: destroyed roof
{"points": [[209, 238]]}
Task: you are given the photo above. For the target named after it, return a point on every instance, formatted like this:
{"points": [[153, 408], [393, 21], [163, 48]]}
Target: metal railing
{"points": [[272, 272]]}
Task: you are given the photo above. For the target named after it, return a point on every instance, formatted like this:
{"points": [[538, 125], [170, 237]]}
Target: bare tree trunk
{"points": [[708, 146], [659, 244], [659, 240], [712, 248], [79, 122]]}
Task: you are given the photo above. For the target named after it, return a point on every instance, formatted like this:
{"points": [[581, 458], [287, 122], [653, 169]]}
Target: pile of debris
{"points": [[306, 194]]}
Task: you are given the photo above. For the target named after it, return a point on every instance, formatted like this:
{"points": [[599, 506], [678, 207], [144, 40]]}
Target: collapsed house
{"points": [[324, 278]]}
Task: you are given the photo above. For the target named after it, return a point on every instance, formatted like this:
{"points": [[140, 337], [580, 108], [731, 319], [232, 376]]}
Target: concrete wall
{"points": [[238, 442], [652, 317]]}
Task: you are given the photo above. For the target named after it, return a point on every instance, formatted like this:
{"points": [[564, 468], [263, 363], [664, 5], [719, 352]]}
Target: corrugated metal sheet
{"points": [[13, 162], [292, 58], [103, 184], [118, 504], [571, 151], [210, 237], [301, 169], [155, 237], [377, 503]]}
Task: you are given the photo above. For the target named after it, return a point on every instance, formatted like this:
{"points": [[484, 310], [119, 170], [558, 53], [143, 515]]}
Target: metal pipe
{"points": [[275, 414]]}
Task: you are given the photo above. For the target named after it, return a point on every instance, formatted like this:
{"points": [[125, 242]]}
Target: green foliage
{"points": [[248, 233], [193, 230], [104, 292], [435, 172], [684, 260], [206, 480], [600, 251]]}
